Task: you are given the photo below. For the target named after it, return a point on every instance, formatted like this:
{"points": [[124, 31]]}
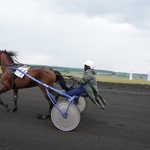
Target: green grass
{"points": [[114, 79], [122, 80]]}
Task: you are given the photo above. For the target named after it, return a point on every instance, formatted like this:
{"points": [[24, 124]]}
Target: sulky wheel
{"points": [[70, 122], [81, 103]]}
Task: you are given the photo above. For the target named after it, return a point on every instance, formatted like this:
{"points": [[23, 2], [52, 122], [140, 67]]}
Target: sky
{"points": [[114, 34]]}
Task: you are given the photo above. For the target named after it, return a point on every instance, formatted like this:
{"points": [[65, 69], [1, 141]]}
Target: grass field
{"points": [[114, 79], [122, 80]]}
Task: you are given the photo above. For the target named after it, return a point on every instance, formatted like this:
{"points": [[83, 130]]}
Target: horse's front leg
{"points": [[3, 90], [3, 104], [15, 101]]}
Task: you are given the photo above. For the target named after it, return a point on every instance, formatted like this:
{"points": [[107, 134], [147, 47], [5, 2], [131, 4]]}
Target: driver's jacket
{"points": [[89, 81]]}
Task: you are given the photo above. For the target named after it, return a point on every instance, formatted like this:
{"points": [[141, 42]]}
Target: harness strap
{"points": [[13, 76]]}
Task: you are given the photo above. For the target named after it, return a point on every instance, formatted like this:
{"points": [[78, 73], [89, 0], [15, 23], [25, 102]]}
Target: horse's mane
{"points": [[11, 54]]}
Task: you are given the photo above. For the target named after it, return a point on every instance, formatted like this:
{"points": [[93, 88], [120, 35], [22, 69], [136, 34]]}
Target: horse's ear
{"points": [[5, 50]]}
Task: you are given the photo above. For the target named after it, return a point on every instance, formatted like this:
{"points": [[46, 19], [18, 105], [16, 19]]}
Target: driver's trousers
{"points": [[76, 91]]}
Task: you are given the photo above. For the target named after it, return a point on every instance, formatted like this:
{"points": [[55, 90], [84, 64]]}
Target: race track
{"points": [[123, 125]]}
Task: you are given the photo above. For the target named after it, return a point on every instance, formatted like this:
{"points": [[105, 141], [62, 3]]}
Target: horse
{"points": [[10, 81]]}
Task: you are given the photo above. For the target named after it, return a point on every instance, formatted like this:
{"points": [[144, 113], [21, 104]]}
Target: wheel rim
{"points": [[69, 123]]}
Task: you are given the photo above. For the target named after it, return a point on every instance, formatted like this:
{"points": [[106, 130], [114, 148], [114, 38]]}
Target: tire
{"points": [[81, 104], [71, 121]]}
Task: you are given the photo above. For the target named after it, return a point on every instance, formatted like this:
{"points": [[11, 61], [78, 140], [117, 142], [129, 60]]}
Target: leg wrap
{"points": [[15, 98], [15, 103]]}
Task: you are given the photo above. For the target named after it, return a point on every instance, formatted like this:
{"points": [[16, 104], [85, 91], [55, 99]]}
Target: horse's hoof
{"points": [[6, 105], [9, 110], [42, 117], [12, 110], [39, 116]]}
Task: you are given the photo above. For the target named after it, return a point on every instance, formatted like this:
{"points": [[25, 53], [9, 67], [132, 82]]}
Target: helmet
{"points": [[89, 63]]}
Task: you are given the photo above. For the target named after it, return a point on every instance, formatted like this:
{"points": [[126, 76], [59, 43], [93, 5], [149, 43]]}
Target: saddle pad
{"points": [[23, 69]]}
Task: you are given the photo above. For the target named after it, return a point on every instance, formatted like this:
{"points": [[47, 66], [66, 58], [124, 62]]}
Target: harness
{"points": [[14, 77]]}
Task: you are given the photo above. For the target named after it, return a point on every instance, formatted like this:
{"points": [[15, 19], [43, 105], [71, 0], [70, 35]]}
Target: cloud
{"points": [[65, 33], [136, 12]]}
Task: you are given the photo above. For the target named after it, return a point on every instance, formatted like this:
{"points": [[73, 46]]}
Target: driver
{"points": [[88, 85]]}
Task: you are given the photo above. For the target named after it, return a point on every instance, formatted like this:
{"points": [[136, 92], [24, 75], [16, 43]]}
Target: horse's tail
{"points": [[60, 79]]}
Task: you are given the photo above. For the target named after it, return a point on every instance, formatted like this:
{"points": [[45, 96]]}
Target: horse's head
{"points": [[6, 58]]}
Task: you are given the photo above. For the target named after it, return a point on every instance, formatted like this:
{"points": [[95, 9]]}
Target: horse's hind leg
{"points": [[49, 102]]}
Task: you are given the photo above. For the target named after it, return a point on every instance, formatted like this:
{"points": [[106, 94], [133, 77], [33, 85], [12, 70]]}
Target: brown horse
{"points": [[10, 81]]}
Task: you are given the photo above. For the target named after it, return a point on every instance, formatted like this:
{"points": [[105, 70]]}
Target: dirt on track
{"points": [[123, 86], [124, 124]]}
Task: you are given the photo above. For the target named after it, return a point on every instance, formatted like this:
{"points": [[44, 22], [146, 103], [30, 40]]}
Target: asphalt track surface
{"points": [[123, 125]]}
